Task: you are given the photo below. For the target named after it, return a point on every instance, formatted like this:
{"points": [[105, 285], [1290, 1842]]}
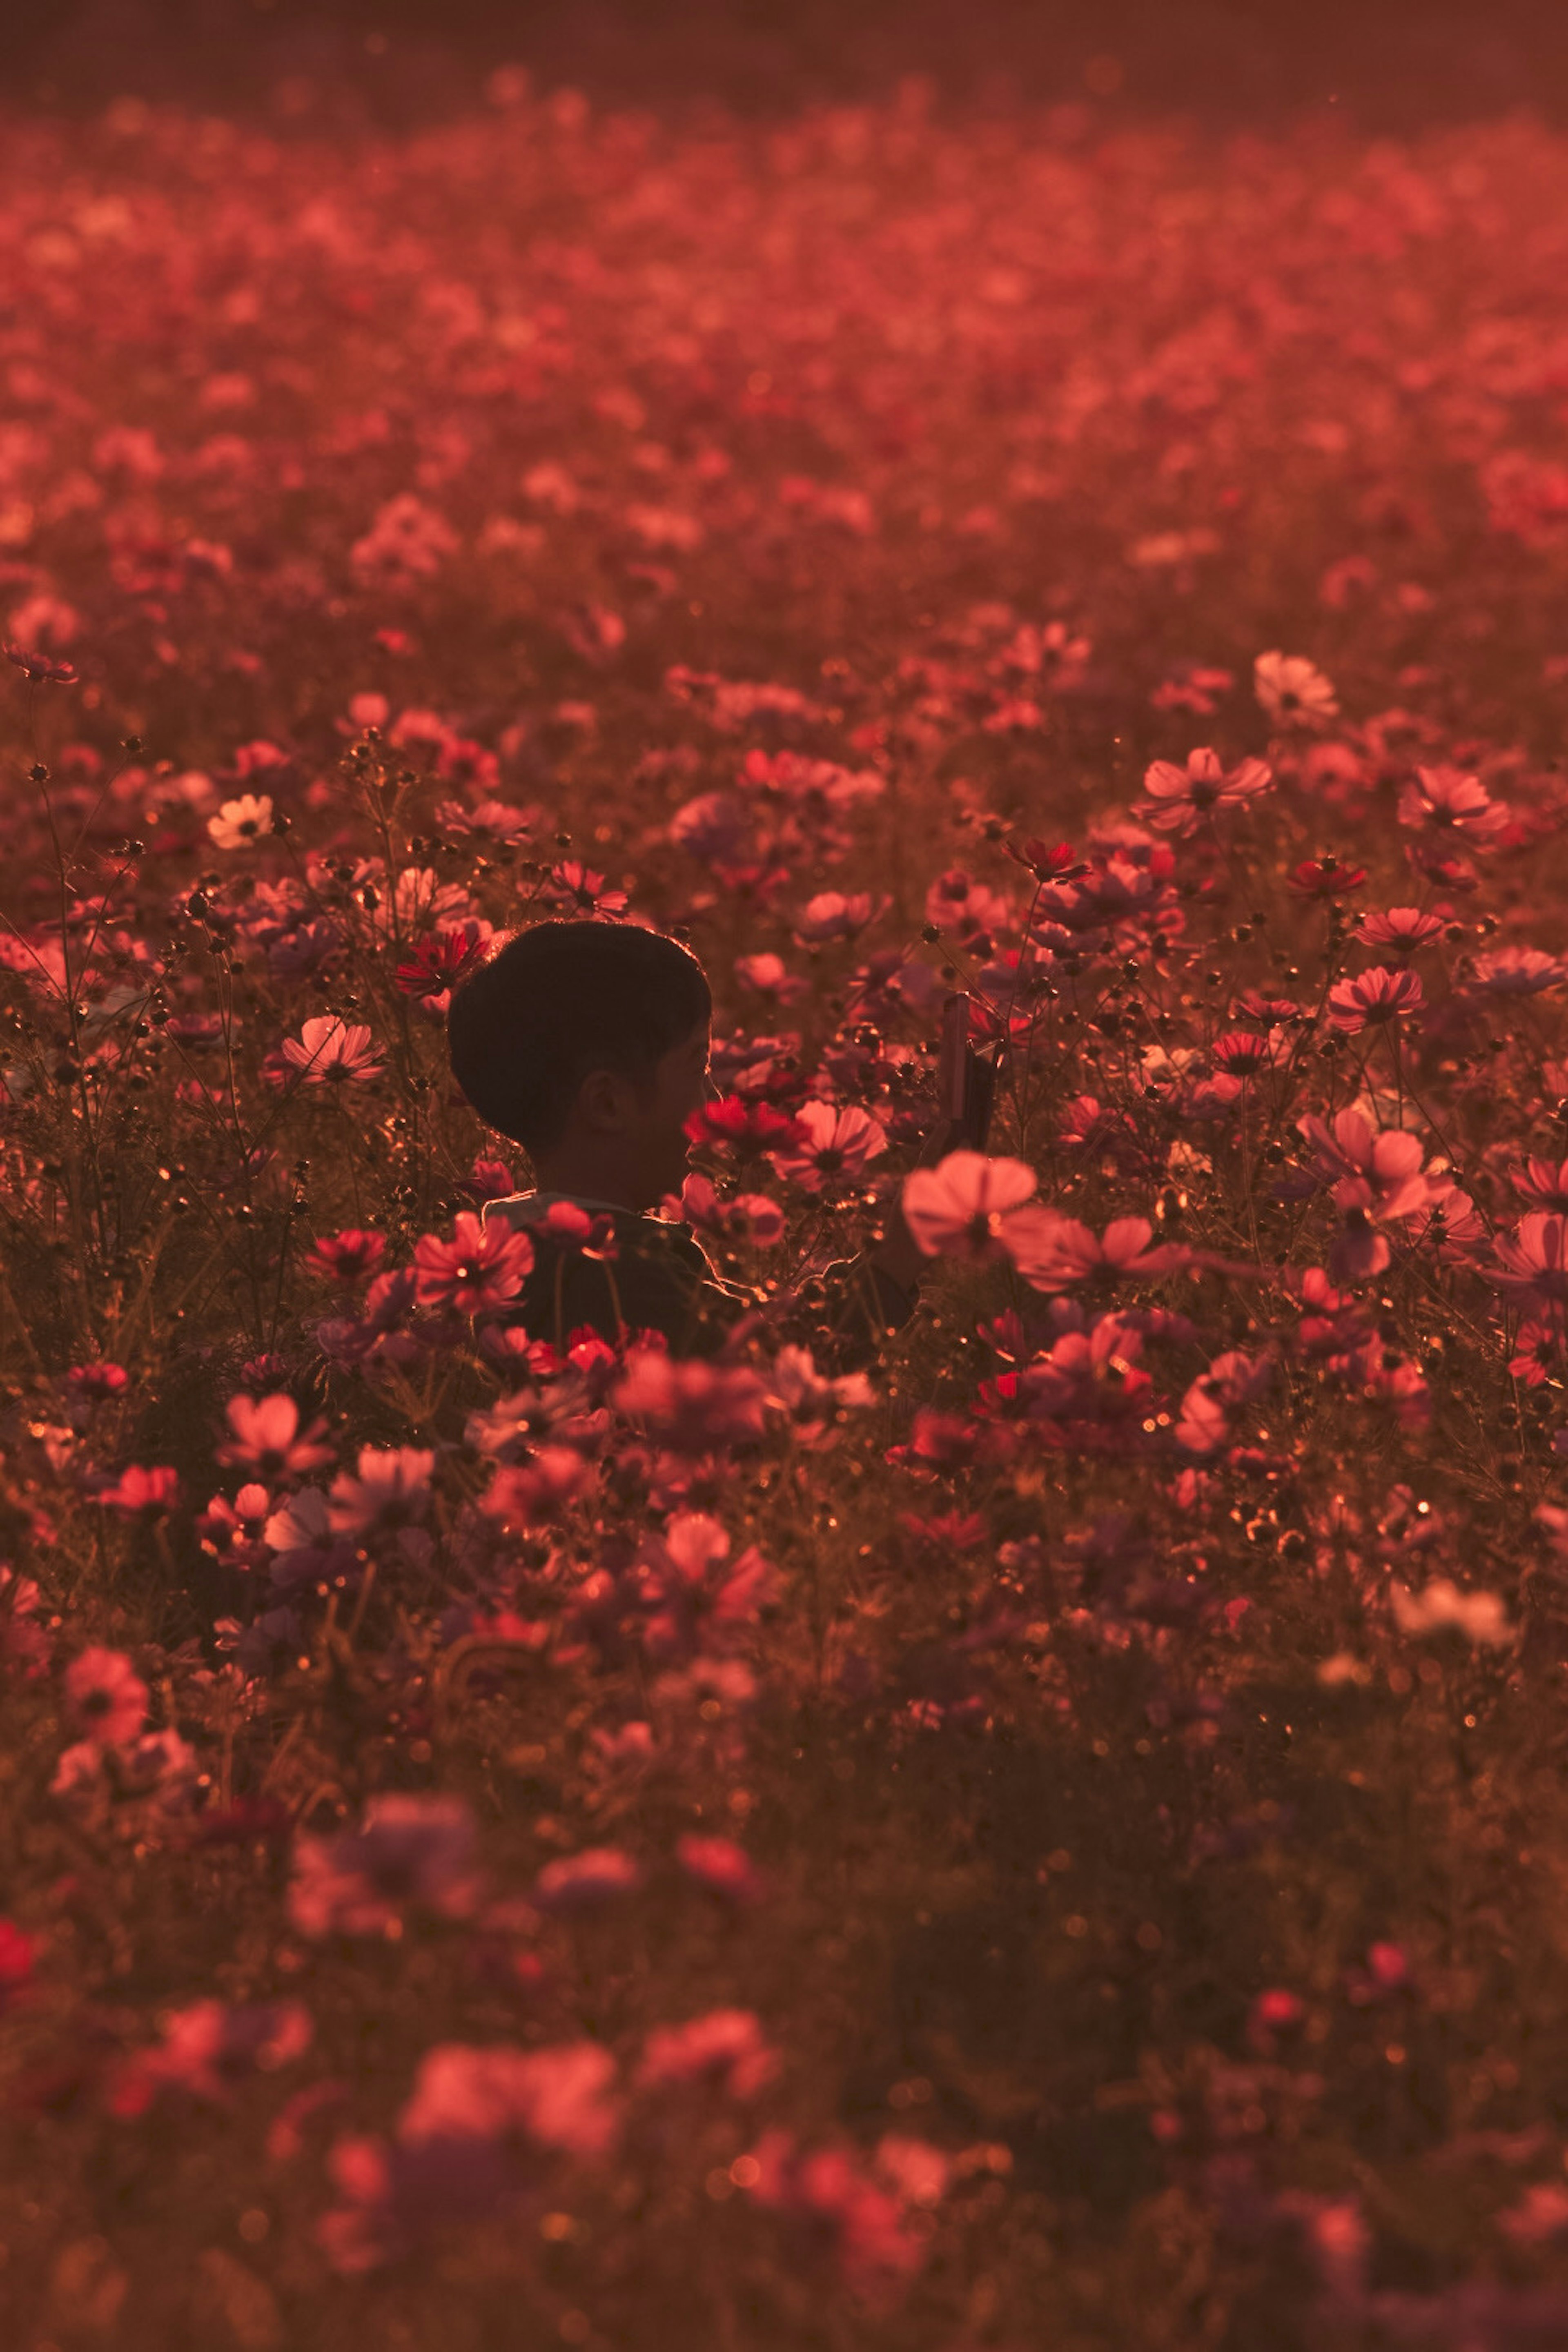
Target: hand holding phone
{"points": [[967, 1079]]}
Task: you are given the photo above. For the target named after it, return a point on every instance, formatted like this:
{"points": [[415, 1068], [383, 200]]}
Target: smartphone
{"points": [[967, 1077]]}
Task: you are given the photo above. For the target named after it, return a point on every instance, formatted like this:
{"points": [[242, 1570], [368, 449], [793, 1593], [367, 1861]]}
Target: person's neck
{"points": [[589, 1180]]}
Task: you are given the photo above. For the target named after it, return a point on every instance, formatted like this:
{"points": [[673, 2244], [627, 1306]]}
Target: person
{"points": [[588, 1042]]}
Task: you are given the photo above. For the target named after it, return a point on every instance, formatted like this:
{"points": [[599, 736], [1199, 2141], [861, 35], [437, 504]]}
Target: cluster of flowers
{"points": [[414, 1649]]}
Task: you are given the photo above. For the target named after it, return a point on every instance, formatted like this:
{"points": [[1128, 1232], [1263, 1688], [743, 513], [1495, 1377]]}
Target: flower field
{"points": [[1058, 1838]]}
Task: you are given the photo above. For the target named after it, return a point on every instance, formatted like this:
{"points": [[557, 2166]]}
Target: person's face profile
{"points": [[680, 1088]]}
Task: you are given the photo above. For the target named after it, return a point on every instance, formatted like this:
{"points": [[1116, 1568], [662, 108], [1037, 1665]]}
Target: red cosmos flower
{"points": [[107, 1696], [329, 1052], [572, 1228], [489, 1179], [93, 1384], [1242, 1054], [1047, 862], [1324, 878], [749, 1130], [349, 1257], [17, 1953], [573, 886], [267, 1438], [440, 960], [140, 1493], [838, 1144], [41, 669], [1533, 1259], [1177, 800], [484, 1265], [1374, 997]]}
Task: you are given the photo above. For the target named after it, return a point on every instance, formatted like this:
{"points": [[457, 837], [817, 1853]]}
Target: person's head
{"points": [[587, 1043]]}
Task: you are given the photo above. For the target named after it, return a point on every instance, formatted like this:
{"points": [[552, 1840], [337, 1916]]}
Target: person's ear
{"points": [[604, 1101]]}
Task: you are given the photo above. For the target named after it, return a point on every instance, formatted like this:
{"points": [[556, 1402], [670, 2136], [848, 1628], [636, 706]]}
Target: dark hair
{"points": [[561, 999]]}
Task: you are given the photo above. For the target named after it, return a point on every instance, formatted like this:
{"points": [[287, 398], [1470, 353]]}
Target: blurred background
{"points": [[1388, 64]]}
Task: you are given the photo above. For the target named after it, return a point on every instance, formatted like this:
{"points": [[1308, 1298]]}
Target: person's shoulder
{"points": [[511, 1209]]}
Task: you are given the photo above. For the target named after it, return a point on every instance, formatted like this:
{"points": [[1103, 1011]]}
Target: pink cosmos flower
{"points": [[833, 916], [1069, 1256], [1445, 800], [349, 1257], [693, 1588], [580, 1882], [1399, 931], [1292, 691], [267, 1438], [770, 976], [1481, 1617], [749, 1218], [391, 1490], [23, 1645], [1517, 971], [239, 823], [1545, 1182], [1379, 1172], [725, 2048], [973, 1207], [862, 2228], [329, 1052], [722, 1867], [140, 1493], [484, 1265], [1372, 998], [107, 1696], [557, 2097], [40, 669], [407, 1850], [530, 1493], [1533, 1259], [1178, 800], [690, 1406], [575, 890], [208, 2049], [835, 1148]]}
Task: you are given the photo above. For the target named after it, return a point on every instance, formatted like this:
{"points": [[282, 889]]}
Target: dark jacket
{"points": [[661, 1279]]}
